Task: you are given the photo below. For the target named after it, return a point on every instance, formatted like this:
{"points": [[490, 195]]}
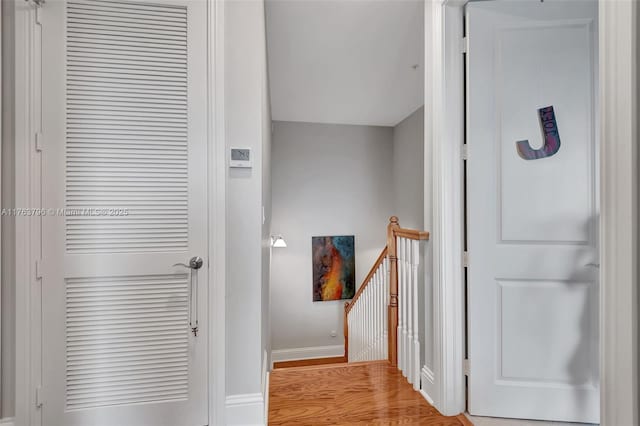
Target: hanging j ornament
{"points": [[551, 137]]}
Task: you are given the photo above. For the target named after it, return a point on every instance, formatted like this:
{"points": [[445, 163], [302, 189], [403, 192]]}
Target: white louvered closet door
{"points": [[124, 151]]}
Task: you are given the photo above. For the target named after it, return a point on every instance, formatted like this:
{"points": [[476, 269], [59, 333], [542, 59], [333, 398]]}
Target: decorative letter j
{"points": [[551, 137]]}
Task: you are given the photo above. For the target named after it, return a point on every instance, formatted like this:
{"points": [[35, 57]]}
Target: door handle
{"points": [[195, 263]]}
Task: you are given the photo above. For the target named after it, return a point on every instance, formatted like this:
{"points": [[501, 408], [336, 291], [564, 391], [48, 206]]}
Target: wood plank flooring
{"points": [[372, 393], [309, 362]]}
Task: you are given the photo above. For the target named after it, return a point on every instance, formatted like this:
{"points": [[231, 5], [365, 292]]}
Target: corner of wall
{"points": [[245, 410]]}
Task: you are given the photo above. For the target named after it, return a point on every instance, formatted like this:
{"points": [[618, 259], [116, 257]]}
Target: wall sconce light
{"points": [[278, 241]]}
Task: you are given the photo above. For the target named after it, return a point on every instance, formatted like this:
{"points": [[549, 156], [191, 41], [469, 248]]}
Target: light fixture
{"points": [[278, 241]]}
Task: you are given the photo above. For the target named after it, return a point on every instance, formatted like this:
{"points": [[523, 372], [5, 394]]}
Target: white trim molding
{"points": [[27, 190], [618, 23], [217, 208], [7, 421], [295, 354], [448, 205], [245, 410], [265, 386]]}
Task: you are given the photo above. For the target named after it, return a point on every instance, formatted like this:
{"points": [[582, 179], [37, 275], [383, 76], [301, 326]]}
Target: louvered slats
{"points": [[127, 127], [127, 340]]}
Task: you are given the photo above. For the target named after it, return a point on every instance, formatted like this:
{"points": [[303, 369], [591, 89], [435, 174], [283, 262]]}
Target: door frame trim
{"points": [[216, 165], [27, 292], [619, 207], [27, 189], [447, 136], [619, 212]]}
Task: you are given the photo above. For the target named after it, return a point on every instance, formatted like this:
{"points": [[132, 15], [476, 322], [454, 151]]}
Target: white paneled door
{"points": [[124, 173], [532, 209]]}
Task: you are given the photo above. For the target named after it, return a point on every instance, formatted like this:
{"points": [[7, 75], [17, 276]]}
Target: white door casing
{"points": [[532, 224], [125, 128]]}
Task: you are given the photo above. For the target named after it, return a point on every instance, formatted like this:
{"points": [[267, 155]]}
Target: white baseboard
{"points": [[7, 421], [266, 403], [426, 396], [295, 354], [265, 386], [245, 410], [427, 383]]}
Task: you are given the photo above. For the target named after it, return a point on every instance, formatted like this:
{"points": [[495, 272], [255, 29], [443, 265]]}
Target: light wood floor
{"points": [[349, 394], [309, 362]]}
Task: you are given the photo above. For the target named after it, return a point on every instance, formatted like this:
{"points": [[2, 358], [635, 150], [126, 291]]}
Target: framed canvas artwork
{"points": [[334, 268]]}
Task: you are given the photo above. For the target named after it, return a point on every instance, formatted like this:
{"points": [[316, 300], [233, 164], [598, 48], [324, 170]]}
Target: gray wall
{"points": [[246, 125], [408, 170], [327, 180]]}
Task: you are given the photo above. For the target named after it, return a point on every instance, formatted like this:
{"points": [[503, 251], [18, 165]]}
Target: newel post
{"points": [[393, 290], [346, 332]]}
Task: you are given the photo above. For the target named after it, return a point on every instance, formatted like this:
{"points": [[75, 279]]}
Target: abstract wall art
{"points": [[334, 268]]}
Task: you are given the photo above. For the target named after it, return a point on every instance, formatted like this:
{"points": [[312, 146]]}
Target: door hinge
{"points": [[466, 365], [465, 259], [39, 12], [39, 397], [465, 151], [38, 269], [37, 3], [465, 44], [38, 142]]}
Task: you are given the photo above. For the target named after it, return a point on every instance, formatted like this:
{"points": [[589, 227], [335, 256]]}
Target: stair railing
{"points": [[365, 318], [383, 319]]}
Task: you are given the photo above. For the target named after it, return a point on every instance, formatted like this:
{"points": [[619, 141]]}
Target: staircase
{"points": [[383, 320]]}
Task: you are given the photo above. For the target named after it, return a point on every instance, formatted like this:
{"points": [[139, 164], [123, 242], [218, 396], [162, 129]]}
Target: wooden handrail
{"points": [[367, 280], [411, 234], [390, 251]]}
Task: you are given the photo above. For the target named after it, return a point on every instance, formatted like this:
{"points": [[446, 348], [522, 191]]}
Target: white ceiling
{"points": [[345, 61]]}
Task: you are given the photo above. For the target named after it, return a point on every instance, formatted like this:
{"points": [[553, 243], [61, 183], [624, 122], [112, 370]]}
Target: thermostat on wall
{"points": [[240, 157]]}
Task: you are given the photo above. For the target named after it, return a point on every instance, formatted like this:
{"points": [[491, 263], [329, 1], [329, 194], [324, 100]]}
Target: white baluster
{"points": [[369, 322], [355, 331], [380, 304], [381, 308], [349, 336], [403, 291], [405, 311], [374, 305], [378, 315], [359, 332], [410, 296], [408, 306], [385, 311], [353, 336], [362, 335], [416, 333], [365, 312], [362, 341], [372, 326], [400, 304]]}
